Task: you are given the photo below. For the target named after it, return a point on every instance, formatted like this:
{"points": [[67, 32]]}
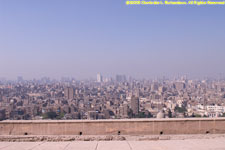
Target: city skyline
{"points": [[119, 98], [113, 77]]}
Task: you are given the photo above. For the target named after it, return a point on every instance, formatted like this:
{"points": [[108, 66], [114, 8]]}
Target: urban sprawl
{"points": [[111, 98]]}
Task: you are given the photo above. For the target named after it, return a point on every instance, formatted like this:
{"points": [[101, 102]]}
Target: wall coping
{"points": [[113, 120]]}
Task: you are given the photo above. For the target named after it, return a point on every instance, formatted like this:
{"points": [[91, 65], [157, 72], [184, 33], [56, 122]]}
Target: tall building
{"points": [[124, 109], [19, 79], [69, 93], [135, 105], [154, 86], [99, 77], [120, 78]]}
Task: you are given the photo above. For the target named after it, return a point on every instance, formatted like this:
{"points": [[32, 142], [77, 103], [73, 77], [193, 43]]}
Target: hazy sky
{"points": [[79, 38]]}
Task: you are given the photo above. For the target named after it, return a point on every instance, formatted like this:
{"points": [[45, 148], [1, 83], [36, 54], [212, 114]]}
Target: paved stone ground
{"points": [[187, 144]]}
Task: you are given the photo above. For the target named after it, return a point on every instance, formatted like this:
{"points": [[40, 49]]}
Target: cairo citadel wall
{"points": [[114, 127]]}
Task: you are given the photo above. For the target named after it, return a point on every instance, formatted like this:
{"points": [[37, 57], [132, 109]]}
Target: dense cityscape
{"points": [[111, 98]]}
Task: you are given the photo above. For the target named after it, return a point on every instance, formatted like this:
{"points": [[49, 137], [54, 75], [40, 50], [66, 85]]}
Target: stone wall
{"points": [[114, 127]]}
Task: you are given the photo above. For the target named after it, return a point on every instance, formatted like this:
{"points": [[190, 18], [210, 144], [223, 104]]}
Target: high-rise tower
{"points": [[135, 105], [69, 93], [99, 77]]}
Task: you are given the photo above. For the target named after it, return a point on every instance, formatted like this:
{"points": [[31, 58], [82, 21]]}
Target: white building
{"points": [[99, 77], [214, 110]]}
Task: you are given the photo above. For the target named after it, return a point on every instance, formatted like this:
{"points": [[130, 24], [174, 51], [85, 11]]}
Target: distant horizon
{"points": [[113, 77]]}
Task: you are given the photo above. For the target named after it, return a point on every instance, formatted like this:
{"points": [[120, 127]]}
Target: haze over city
{"points": [[81, 38], [112, 74]]}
